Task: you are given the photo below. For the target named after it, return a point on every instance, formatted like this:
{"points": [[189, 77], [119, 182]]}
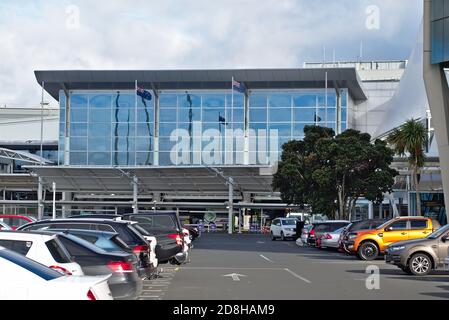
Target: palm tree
{"points": [[410, 139]]}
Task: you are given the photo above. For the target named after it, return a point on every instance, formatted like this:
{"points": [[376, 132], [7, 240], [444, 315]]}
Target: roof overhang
{"points": [[251, 179], [309, 78]]}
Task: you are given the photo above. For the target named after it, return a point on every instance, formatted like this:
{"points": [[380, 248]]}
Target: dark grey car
{"points": [[420, 256]]}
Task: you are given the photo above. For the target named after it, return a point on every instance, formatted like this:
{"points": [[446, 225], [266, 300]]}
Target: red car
{"points": [[15, 221]]}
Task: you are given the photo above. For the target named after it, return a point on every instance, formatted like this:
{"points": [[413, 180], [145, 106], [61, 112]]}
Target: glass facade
{"points": [[104, 128], [440, 31]]}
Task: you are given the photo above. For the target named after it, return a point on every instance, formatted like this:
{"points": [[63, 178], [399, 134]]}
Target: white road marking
{"points": [[297, 275], [230, 268], [144, 296], [234, 276], [263, 257], [152, 290]]}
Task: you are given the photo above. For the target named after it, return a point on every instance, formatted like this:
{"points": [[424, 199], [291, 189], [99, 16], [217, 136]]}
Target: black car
{"points": [[125, 282], [163, 225], [126, 231], [358, 225]]}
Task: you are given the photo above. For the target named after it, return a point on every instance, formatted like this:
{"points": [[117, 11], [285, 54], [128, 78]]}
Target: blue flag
{"points": [[144, 93]]}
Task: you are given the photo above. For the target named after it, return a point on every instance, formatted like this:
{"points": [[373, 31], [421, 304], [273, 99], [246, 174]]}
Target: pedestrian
{"points": [[299, 227]]}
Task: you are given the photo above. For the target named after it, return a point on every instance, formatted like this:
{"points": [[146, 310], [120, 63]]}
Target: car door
{"points": [[418, 229], [395, 232], [275, 227], [443, 248]]}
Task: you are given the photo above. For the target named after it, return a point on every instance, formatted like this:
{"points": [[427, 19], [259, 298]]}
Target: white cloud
{"points": [[120, 34]]}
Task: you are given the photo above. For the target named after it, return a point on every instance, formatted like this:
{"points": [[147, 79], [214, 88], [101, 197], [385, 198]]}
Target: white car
{"points": [[41, 247], [283, 228], [25, 279]]}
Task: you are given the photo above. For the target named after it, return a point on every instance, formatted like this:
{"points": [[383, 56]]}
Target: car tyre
{"points": [[406, 270], [368, 251], [273, 238], [420, 264]]}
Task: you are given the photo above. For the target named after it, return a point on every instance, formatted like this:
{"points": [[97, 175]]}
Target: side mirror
{"points": [[445, 238], [388, 229]]}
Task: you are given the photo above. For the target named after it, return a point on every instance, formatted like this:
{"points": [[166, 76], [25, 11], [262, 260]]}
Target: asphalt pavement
{"points": [[252, 267]]}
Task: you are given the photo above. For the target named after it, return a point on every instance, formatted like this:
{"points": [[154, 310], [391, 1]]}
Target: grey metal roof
{"points": [[201, 79], [155, 179]]}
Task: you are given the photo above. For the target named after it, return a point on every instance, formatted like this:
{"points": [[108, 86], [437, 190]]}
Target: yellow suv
{"points": [[368, 244]]}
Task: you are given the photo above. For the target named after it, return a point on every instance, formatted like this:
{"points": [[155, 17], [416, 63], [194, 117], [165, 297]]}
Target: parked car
{"points": [[125, 282], [4, 226], [16, 221], [320, 228], [167, 229], [369, 244], [358, 225], [283, 228], [330, 239], [125, 229], [187, 238], [164, 226], [43, 248], [420, 256], [24, 279]]}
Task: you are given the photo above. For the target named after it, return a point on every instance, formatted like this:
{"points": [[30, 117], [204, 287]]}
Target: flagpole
{"points": [[42, 120]]}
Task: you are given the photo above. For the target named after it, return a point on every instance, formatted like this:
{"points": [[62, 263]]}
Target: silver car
{"points": [[331, 239]]}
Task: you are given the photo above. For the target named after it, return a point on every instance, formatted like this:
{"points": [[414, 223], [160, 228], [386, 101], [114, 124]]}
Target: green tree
{"points": [[331, 172], [410, 139]]}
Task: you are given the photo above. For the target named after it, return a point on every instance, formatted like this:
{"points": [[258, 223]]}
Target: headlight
{"points": [[396, 248], [289, 229]]}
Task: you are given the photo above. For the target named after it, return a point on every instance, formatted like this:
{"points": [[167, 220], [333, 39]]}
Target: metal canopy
{"points": [[18, 182], [201, 79], [251, 179], [22, 156]]}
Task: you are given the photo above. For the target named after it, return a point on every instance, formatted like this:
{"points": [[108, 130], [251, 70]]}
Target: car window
{"points": [[120, 243], [68, 225], [38, 226], [89, 238], [288, 222], [418, 224], [104, 227], [57, 251], [399, 225], [74, 248], [21, 247]]}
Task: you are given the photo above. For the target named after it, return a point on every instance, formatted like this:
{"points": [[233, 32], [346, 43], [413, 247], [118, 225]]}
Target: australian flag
{"points": [[143, 93], [240, 87]]}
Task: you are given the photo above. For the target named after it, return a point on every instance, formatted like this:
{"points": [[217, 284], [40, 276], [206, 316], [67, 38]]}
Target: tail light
{"points": [[91, 296], [139, 249], [120, 266], [312, 233], [177, 237], [61, 269]]}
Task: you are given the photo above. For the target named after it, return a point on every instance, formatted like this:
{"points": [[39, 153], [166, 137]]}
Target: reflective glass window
{"points": [[258, 100], [121, 145], [100, 115], [99, 144], [168, 100], [102, 101], [187, 115], [213, 101], [145, 115], [144, 144], [122, 158], [123, 129], [213, 115], [78, 158], [144, 129], [279, 100], [166, 129], [123, 115], [280, 114], [282, 129], [144, 158], [78, 115], [257, 115], [78, 129], [304, 100], [78, 101], [124, 101], [100, 129], [187, 100], [167, 115], [305, 115], [99, 158], [78, 144]]}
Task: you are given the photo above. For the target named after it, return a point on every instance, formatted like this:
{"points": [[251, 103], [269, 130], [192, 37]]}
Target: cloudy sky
{"points": [[154, 34]]}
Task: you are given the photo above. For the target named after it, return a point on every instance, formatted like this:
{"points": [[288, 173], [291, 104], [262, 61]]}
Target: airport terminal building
{"points": [[195, 140]]}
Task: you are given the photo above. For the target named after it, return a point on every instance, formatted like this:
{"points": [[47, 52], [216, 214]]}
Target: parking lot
{"points": [[251, 266]]}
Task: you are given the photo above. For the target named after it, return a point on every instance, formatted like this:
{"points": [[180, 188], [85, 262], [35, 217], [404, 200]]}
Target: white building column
{"points": [[370, 210], [230, 206]]}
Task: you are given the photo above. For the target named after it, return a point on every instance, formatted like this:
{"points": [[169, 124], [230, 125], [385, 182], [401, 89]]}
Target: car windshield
{"points": [[438, 232], [289, 222]]}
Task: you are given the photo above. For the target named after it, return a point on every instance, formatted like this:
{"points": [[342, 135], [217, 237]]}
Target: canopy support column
{"points": [[135, 195], [230, 205]]}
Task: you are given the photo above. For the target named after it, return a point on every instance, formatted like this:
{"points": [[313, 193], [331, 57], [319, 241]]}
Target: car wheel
{"points": [[420, 264], [273, 238], [368, 251], [282, 236]]}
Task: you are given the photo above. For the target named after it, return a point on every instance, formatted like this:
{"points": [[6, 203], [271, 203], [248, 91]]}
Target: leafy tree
{"points": [[410, 139], [331, 172]]}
